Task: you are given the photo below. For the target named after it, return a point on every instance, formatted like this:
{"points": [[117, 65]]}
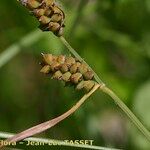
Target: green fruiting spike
{"points": [[46, 69], [66, 77]]}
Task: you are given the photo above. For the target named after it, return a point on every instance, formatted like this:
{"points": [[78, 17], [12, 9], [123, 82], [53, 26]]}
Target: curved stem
{"points": [[127, 111], [106, 90]]}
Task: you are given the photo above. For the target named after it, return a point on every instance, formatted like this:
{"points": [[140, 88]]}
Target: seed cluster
{"points": [[69, 70], [49, 14]]}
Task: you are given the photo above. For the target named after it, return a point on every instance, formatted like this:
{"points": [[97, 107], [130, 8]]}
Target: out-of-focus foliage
{"points": [[141, 101], [113, 36]]}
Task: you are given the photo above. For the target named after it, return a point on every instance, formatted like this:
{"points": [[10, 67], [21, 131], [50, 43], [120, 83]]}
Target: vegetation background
{"points": [[113, 36]]}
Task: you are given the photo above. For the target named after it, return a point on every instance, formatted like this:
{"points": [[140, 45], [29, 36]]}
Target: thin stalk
{"points": [[59, 142], [80, 58], [115, 98], [13, 50], [127, 111], [48, 124]]}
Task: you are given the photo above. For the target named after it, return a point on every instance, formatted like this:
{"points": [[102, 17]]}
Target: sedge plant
{"points": [[73, 70]]}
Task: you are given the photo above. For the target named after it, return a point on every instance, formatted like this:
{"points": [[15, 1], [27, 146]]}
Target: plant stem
{"points": [[80, 58], [106, 90], [127, 111], [13, 50]]}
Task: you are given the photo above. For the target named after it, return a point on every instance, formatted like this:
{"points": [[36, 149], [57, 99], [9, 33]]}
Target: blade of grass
{"points": [[13, 50]]}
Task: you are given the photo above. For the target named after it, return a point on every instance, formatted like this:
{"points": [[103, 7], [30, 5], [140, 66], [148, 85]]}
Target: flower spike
{"points": [[69, 70]]}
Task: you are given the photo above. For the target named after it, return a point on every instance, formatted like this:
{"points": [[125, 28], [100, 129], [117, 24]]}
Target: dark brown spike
{"points": [[69, 70], [48, 13]]}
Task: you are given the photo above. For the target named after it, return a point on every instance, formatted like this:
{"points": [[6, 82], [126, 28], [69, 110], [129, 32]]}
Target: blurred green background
{"points": [[113, 36]]}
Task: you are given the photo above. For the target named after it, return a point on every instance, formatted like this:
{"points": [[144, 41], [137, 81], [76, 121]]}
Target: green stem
{"points": [[80, 58], [106, 90], [127, 111], [13, 50]]}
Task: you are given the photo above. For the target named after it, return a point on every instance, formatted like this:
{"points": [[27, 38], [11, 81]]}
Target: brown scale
{"points": [[49, 14], [69, 70]]}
